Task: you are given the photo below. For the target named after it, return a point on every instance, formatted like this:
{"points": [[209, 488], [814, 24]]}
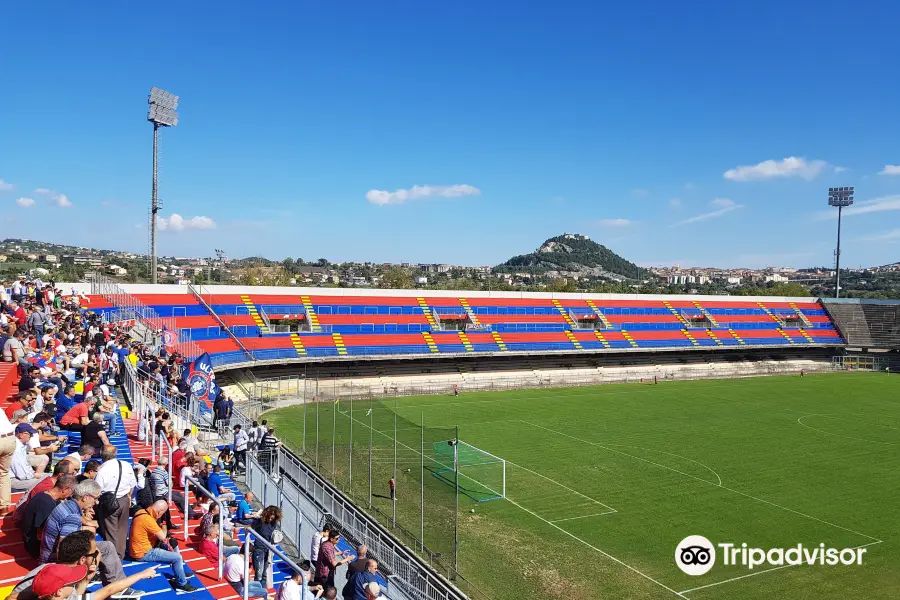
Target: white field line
{"points": [[703, 587], [598, 550], [752, 497], [599, 514], [572, 535], [848, 437], [697, 462]]}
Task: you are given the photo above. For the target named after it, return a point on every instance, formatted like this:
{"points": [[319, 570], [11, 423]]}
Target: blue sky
{"points": [[660, 129]]}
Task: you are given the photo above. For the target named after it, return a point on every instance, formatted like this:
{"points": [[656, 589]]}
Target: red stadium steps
{"points": [[690, 336], [671, 308], [602, 339], [427, 311], [465, 304], [599, 313], [629, 339], [737, 337], [339, 344]]}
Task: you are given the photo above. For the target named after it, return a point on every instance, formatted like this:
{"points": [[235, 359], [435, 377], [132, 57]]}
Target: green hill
{"points": [[576, 254]]}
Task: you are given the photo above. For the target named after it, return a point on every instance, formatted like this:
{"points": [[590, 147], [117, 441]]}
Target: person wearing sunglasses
{"points": [[79, 551]]}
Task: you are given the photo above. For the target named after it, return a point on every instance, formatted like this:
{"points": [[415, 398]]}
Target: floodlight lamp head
{"points": [[840, 196], [451, 442]]}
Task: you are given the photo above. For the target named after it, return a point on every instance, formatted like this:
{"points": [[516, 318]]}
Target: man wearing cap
{"points": [[76, 551], [23, 476]]}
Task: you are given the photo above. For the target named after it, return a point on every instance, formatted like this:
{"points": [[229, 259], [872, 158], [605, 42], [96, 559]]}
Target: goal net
{"points": [[482, 475]]}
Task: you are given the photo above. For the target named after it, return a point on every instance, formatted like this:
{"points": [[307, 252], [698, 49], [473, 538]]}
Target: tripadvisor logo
{"points": [[696, 555]]}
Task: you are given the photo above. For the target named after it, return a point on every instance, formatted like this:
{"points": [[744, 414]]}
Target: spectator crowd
{"points": [[83, 513]]}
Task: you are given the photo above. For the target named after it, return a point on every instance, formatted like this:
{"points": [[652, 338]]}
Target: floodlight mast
{"points": [[161, 114], [840, 197]]}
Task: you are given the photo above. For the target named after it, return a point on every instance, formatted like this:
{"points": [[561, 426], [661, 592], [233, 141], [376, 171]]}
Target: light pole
{"points": [[161, 114], [840, 197]]}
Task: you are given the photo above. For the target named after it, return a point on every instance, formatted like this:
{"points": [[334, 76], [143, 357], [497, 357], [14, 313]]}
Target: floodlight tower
{"points": [[840, 197], [161, 114]]}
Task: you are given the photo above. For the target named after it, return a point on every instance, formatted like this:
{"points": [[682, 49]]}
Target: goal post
{"points": [[482, 475]]}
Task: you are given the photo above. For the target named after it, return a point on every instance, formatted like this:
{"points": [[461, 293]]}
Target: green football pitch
{"points": [[603, 483]]}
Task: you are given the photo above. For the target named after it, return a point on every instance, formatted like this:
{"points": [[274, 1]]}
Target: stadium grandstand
{"points": [[126, 351]]}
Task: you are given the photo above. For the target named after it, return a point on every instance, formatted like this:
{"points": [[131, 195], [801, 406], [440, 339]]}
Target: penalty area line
{"points": [[598, 550], [599, 514]]}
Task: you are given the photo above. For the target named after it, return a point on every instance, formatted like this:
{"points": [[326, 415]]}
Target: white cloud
{"points": [[61, 200], [613, 222], [890, 170], [6, 187], [25, 202], [725, 206], [640, 193], [675, 203], [178, 223], [791, 166], [418, 192], [887, 236], [880, 204], [840, 169]]}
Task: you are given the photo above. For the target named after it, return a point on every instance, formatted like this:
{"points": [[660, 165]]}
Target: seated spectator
{"points": [[39, 510], [150, 543], [215, 485], [90, 470], [79, 549], [186, 471], [178, 458], [141, 469], [353, 569], [363, 579], [65, 402], [62, 468], [24, 401], [373, 591], [94, 434], [28, 381], [77, 417], [77, 458], [234, 574], [298, 587], [159, 487], [225, 461], [209, 545], [245, 512], [23, 476]]}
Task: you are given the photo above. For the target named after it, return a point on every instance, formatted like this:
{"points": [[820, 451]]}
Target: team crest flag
{"points": [[169, 339], [202, 382]]}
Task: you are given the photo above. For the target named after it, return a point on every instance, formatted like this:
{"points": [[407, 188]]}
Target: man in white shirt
{"points": [[7, 449], [241, 443], [317, 539], [234, 574], [297, 587], [23, 476], [115, 523]]}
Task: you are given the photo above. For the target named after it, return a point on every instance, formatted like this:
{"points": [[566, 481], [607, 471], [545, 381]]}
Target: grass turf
{"points": [[603, 482]]}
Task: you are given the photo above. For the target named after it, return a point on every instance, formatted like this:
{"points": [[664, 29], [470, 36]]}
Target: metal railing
{"points": [[254, 537], [291, 483], [222, 514], [199, 296], [132, 309], [165, 441]]}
